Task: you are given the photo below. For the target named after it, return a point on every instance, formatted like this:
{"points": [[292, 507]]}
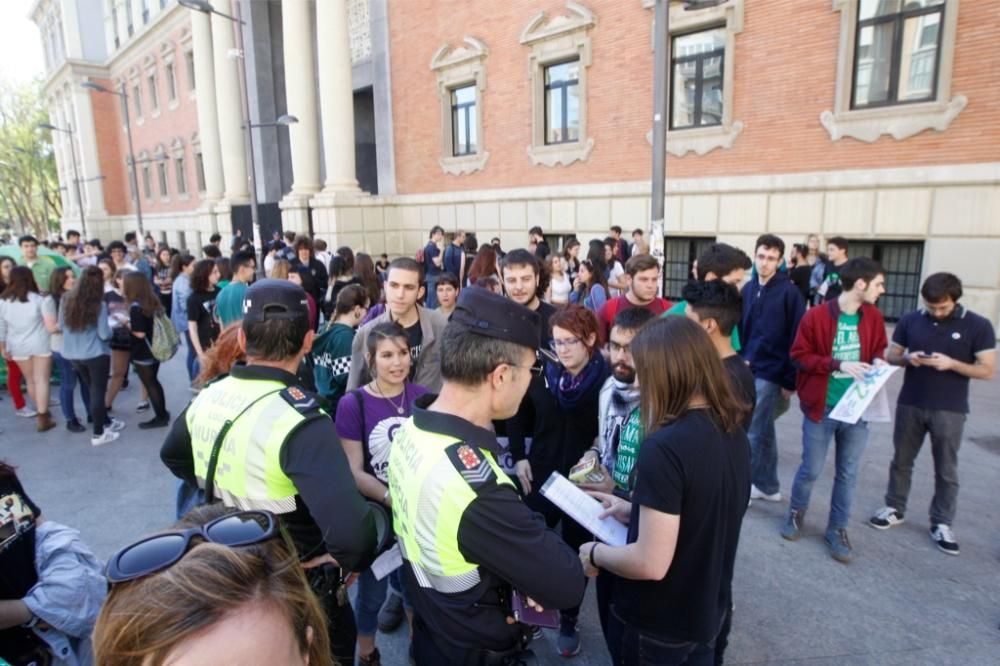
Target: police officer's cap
{"points": [[486, 313], [274, 299]]}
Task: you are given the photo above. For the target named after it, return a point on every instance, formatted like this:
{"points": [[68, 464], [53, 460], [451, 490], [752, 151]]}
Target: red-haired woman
{"points": [[563, 428]]}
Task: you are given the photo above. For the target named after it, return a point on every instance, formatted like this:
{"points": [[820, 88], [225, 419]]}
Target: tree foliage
{"points": [[29, 185]]}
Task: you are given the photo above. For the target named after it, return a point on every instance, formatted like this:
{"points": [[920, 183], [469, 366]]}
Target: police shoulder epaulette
{"points": [[303, 401], [472, 465]]}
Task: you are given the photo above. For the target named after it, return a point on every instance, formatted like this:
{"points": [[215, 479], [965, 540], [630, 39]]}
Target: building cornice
{"points": [[151, 34], [70, 67]]}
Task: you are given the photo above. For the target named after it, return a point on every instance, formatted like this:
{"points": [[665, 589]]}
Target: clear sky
{"points": [[20, 44]]}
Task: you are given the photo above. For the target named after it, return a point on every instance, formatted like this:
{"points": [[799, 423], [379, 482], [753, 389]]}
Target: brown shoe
{"points": [[45, 422], [372, 659]]}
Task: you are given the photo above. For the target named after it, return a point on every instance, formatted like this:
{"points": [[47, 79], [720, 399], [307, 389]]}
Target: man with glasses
{"points": [[772, 309], [467, 540], [256, 440]]}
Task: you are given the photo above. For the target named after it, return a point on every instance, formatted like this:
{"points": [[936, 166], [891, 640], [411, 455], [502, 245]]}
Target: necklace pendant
{"points": [[400, 410]]}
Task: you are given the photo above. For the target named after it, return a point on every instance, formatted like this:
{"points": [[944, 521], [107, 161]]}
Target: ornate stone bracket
{"points": [[900, 122]]}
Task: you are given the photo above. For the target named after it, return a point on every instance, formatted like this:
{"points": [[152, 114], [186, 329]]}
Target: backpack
{"points": [[165, 339]]}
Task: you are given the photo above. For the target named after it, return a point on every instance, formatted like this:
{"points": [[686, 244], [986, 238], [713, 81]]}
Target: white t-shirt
{"points": [[616, 272]]}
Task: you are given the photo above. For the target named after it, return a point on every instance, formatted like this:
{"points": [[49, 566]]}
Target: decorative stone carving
{"points": [[900, 123], [359, 29]]}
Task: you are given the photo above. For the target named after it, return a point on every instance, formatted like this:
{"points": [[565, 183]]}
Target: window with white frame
{"points": [[168, 73], [137, 101], [199, 171], [558, 61], [461, 80], [180, 175], [894, 69], [147, 184], [161, 172], [154, 94], [189, 66], [697, 62]]}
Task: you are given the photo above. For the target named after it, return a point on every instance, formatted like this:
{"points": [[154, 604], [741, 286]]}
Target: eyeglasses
{"points": [[615, 347], [568, 343], [162, 551]]}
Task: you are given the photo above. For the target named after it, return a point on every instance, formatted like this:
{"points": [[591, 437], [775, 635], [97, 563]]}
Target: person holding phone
{"points": [[691, 491]]}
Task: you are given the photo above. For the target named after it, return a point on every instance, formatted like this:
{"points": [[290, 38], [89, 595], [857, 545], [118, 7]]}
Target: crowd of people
{"points": [[344, 403]]}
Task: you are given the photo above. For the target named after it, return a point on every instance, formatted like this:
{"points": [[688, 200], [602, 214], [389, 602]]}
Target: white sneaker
{"points": [[108, 437], [757, 493], [117, 425], [26, 412]]}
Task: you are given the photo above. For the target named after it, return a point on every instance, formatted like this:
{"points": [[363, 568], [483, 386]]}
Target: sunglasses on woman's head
{"points": [[161, 551]]}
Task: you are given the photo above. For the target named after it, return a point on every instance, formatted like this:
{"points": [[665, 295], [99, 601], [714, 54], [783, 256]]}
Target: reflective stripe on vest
{"points": [[248, 474], [429, 496]]}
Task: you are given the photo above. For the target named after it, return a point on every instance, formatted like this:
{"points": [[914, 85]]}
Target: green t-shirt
{"points": [[679, 309], [628, 450], [846, 347], [229, 303], [42, 271]]}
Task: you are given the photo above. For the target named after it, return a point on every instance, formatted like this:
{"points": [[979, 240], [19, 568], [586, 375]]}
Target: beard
{"points": [[624, 373]]}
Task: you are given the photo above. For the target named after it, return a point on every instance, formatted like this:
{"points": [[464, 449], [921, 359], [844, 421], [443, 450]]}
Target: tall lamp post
{"points": [[90, 85], [76, 172], [661, 87], [205, 7]]}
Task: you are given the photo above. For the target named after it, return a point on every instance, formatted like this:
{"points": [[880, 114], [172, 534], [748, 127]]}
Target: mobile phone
{"points": [[524, 613]]}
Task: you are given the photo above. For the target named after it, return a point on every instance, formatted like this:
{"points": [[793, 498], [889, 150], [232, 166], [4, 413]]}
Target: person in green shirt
{"points": [[229, 302], [40, 268], [331, 352], [719, 262]]}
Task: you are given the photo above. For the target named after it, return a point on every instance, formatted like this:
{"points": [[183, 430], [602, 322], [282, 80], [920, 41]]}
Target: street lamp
{"points": [[282, 121], [661, 67], [90, 85], [206, 7], [76, 172]]}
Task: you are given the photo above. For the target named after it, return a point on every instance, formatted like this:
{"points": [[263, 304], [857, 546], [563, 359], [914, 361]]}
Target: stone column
{"points": [[336, 94], [208, 118], [229, 112], [300, 92]]}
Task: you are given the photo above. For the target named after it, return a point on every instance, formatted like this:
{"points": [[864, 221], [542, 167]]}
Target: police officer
{"points": [[256, 440], [466, 537]]}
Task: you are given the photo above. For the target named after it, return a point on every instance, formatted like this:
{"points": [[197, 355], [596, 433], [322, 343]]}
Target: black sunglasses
{"points": [[161, 551]]}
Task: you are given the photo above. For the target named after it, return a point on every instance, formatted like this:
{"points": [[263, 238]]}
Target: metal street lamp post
{"points": [[206, 8], [661, 87], [90, 85], [76, 171]]}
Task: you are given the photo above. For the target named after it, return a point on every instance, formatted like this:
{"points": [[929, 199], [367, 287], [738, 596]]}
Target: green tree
{"points": [[29, 186]]}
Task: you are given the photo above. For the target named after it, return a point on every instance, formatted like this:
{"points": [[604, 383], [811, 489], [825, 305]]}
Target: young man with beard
{"points": [[423, 328], [619, 428], [942, 346], [837, 343], [643, 279]]}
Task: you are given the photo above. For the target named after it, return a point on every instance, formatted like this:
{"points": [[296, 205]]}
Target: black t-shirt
{"points": [[800, 276], [415, 340], [18, 516], [542, 250], [120, 337], [141, 324], [431, 253], [692, 469], [201, 310], [742, 379]]}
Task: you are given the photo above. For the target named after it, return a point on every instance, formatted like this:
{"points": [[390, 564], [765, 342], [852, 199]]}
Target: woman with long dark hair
{"points": [[121, 342], [692, 487], [364, 271], [340, 276], [203, 328], [84, 320], [571, 255], [13, 376], [564, 427], [161, 276], [484, 265], [590, 289], [143, 307], [25, 340], [62, 281]]}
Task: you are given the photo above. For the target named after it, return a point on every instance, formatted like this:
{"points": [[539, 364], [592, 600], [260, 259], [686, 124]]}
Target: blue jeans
{"points": [[67, 385], [763, 440], [371, 595], [851, 441], [631, 647], [191, 363]]}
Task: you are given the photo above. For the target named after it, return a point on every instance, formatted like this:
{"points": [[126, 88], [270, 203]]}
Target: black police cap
{"points": [[491, 315], [274, 299]]}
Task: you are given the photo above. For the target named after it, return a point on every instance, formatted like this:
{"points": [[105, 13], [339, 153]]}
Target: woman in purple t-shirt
{"points": [[367, 421]]}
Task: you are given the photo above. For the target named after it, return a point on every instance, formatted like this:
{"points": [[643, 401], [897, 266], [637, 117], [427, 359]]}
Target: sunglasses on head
{"points": [[161, 551]]}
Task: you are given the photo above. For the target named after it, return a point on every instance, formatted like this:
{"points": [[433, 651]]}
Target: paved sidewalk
{"points": [[900, 602]]}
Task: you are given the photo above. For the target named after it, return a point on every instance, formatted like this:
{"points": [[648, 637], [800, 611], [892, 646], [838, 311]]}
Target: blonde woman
{"points": [[560, 286]]}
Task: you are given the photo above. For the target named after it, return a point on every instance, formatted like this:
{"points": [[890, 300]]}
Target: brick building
{"points": [[870, 119]]}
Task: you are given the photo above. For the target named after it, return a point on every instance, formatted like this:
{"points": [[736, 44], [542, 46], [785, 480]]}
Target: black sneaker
{"points": [[391, 614], [944, 538], [568, 642], [885, 518], [155, 423], [74, 425]]}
